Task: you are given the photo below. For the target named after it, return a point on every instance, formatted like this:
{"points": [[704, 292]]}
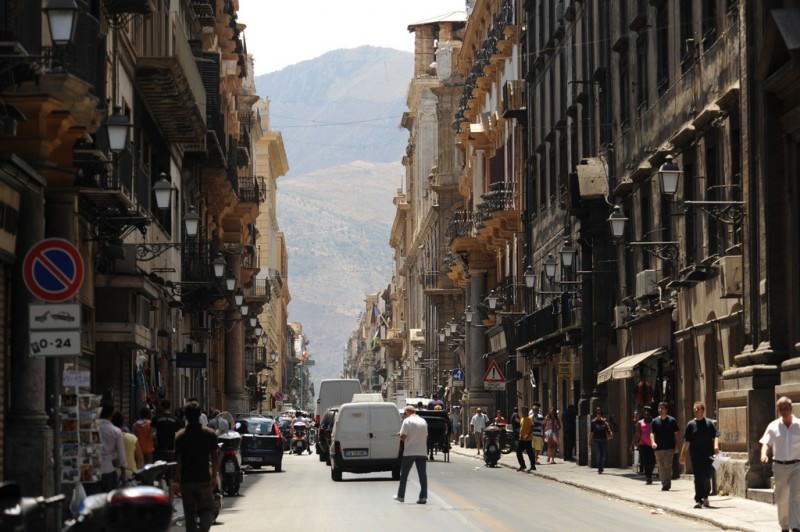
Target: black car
{"points": [[262, 441], [324, 435]]}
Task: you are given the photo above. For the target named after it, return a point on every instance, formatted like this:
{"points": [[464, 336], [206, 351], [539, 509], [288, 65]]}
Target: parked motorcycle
{"points": [[230, 470], [491, 444]]}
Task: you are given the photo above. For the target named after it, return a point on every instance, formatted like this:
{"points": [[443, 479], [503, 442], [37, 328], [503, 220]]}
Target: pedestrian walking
{"points": [[455, 422], [197, 470], [783, 437], [568, 445], [643, 442], [701, 440], [599, 434], [664, 437], [133, 453], [165, 425], [515, 421], [476, 427], [538, 430], [144, 433], [112, 455], [552, 428], [525, 441], [414, 444]]}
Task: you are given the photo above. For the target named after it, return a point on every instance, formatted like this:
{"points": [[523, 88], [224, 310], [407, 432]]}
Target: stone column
{"points": [[235, 396], [476, 365], [29, 440]]}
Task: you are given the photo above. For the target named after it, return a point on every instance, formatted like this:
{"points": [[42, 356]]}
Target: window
{"points": [[662, 48], [641, 72], [709, 22], [624, 89], [689, 194], [687, 33]]}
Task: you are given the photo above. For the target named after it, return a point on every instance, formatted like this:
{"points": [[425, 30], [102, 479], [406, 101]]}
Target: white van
{"points": [[334, 392], [366, 438]]}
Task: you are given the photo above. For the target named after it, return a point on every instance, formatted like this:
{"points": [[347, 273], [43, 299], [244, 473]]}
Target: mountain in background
{"points": [[343, 106], [339, 115]]}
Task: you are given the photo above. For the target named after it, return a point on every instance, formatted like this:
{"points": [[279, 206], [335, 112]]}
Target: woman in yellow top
{"points": [[133, 453]]}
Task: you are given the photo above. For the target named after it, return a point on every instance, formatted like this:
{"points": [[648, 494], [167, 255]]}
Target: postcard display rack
{"points": [[80, 440]]}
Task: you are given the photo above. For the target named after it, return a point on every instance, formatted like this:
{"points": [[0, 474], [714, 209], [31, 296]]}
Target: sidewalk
{"points": [[726, 512]]}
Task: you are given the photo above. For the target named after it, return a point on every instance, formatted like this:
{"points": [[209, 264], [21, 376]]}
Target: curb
{"points": [[615, 495]]}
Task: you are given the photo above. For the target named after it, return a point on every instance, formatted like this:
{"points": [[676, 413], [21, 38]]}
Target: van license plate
{"points": [[229, 467], [253, 459], [352, 453]]}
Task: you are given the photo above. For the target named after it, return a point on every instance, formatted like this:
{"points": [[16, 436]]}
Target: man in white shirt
{"points": [[477, 425], [783, 435], [414, 444], [112, 455]]}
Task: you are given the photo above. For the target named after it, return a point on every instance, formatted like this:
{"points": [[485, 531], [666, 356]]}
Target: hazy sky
{"points": [[284, 32]]}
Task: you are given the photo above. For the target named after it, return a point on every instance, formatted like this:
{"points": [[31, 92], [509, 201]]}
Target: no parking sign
{"points": [[53, 270]]}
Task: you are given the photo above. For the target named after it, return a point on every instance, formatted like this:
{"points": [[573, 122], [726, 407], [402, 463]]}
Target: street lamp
{"points": [[492, 298], [219, 266], [117, 127], [530, 277], [192, 222], [617, 221], [163, 192], [567, 254], [468, 314], [230, 283], [61, 15], [669, 174], [244, 309], [259, 330], [550, 264], [238, 298], [453, 325], [253, 321]]}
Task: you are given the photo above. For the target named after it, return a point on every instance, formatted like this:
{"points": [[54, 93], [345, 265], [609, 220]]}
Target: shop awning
{"points": [[623, 368]]}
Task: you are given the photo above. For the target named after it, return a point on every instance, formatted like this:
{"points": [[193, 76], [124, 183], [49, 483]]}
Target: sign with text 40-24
{"points": [[55, 343]]}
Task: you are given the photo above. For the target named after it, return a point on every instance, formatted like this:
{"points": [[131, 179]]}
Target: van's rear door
{"points": [[384, 427], [352, 431]]}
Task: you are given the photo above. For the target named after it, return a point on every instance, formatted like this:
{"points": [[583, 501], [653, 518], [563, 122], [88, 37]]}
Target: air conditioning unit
{"points": [[730, 268], [416, 336], [646, 283], [513, 99], [621, 313]]}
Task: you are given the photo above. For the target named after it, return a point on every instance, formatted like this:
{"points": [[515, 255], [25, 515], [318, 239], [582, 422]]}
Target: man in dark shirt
{"points": [[195, 451], [702, 440], [664, 440], [569, 432], [165, 425]]}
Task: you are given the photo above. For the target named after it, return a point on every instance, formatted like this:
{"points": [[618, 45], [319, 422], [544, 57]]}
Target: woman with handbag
{"points": [[552, 427], [599, 434]]}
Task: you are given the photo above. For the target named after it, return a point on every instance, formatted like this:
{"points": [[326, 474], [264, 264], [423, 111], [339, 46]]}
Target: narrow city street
{"points": [[463, 495]]}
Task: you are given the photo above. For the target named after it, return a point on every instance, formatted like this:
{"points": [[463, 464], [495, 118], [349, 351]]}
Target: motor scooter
{"points": [[491, 444], [230, 470], [300, 440], [132, 508]]}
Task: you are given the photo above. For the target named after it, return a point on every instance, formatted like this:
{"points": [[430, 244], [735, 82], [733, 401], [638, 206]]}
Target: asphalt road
{"points": [[462, 495]]}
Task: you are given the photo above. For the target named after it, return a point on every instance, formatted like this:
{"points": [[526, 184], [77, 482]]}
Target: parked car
{"points": [[324, 435], [262, 442]]}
